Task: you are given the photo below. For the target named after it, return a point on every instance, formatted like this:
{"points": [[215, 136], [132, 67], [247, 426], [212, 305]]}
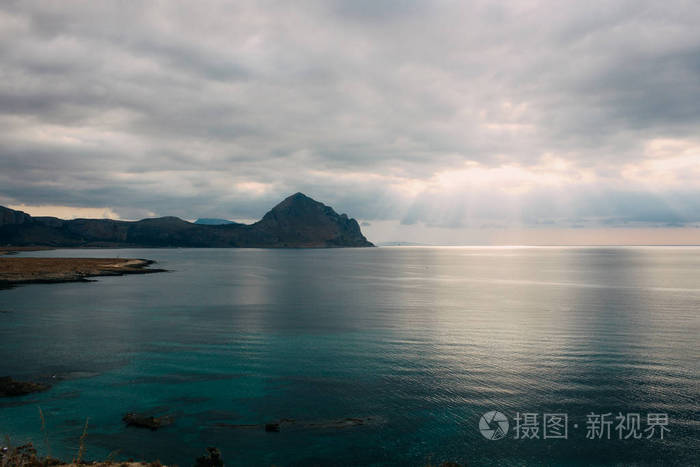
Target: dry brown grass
{"points": [[18, 270], [26, 456]]}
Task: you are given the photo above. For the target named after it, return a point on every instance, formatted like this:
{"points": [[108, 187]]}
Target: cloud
{"points": [[66, 213], [448, 114]]}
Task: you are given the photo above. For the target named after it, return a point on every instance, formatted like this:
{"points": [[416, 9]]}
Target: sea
{"points": [[408, 356]]}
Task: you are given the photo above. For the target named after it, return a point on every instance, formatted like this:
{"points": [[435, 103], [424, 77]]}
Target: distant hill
{"points": [[213, 221], [399, 243], [296, 222]]}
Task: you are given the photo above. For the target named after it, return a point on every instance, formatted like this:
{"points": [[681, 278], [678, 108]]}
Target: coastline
{"points": [[12, 250], [15, 271], [22, 270]]}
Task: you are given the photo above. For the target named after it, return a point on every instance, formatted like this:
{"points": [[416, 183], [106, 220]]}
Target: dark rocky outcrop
{"points": [[296, 222], [146, 421], [11, 388]]}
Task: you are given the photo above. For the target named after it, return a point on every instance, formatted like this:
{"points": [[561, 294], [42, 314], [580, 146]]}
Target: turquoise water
{"points": [[417, 343]]}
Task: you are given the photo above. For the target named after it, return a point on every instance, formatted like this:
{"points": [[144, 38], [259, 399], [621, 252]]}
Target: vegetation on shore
{"points": [[19, 270], [26, 456]]}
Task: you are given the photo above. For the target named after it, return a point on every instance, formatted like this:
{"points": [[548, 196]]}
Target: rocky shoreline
{"points": [[20, 270]]}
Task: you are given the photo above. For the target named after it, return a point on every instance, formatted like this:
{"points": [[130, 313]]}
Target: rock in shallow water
{"points": [[146, 421], [11, 388], [272, 427]]}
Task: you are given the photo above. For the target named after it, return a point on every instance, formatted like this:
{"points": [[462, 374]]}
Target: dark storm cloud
{"points": [[218, 109]]}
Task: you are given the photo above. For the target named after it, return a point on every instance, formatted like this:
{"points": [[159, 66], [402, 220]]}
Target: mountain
{"points": [[301, 221], [400, 243], [296, 222], [213, 221]]}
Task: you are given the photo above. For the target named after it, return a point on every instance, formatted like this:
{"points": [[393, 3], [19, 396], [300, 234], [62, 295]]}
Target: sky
{"points": [[447, 122]]}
